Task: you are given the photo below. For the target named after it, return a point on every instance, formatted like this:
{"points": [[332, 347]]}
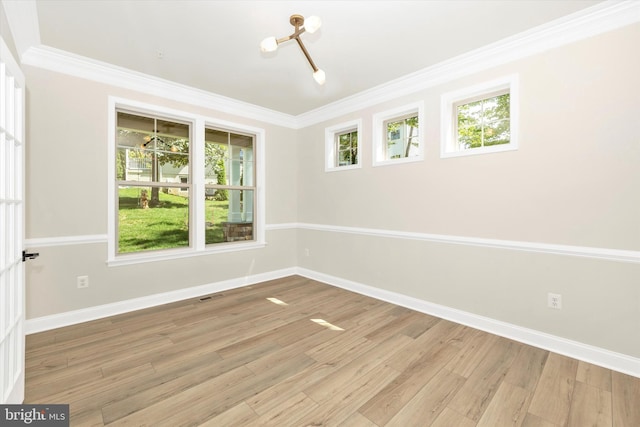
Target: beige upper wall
{"points": [[66, 157], [66, 195], [574, 180]]}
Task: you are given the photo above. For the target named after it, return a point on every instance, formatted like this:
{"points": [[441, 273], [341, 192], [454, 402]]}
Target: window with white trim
{"points": [[397, 136], [342, 143], [480, 119], [181, 184]]}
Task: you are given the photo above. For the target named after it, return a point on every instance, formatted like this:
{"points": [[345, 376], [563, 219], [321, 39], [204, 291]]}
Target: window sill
{"points": [[167, 255], [342, 168], [399, 161], [481, 150]]}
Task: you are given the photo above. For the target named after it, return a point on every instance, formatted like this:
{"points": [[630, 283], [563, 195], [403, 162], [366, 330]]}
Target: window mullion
{"points": [[197, 187]]}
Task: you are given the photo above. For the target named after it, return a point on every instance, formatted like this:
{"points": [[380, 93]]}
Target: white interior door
{"points": [[11, 228]]}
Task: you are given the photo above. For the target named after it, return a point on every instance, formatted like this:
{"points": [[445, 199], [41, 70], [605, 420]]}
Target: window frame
{"points": [[196, 207], [331, 145], [449, 118], [380, 121]]}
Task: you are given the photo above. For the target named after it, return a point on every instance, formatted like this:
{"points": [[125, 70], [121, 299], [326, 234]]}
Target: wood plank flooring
{"points": [[238, 359]]}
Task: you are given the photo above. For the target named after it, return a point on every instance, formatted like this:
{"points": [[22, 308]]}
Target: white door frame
{"points": [[12, 301]]}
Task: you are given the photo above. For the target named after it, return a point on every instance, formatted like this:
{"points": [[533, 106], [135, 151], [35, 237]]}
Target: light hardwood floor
{"points": [[238, 359]]}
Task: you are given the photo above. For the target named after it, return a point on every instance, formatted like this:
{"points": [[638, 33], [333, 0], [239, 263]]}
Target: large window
{"points": [[397, 136], [480, 119], [181, 184], [342, 146]]}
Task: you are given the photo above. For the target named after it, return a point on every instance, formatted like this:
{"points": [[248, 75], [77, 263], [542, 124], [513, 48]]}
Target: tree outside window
{"points": [[480, 119], [347, 148], [155, 200], [484, 122], [402, 138]]}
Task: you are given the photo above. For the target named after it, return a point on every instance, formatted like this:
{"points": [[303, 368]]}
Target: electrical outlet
{"points": [[554, 301], [82, 282]]}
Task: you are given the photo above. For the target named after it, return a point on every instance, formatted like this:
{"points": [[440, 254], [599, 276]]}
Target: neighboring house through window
{"points": [[397, 135]]}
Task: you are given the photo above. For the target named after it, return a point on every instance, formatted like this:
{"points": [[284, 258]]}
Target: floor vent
{"points": [[209, 297]]}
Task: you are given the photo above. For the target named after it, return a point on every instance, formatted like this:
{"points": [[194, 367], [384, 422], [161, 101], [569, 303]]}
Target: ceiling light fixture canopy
{"points": [[311, 25]]}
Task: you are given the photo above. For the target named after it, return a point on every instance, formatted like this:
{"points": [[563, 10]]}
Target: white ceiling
{"points": [[214, 45]]}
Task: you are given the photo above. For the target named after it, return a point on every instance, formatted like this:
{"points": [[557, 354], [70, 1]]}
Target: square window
{"points": [[397, 136], [480, 119], [342, 144]]}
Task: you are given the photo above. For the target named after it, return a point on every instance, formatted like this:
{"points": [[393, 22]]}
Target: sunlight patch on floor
{"points": [[327, 324]]}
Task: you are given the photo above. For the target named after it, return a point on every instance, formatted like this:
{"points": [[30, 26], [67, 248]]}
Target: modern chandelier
{"points": [[311, 25]]}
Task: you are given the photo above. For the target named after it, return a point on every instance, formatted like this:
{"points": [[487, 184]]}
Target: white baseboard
{"points": [[587, 353], [45, 323]]}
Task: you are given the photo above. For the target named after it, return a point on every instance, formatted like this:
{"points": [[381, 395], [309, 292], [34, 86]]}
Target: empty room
{"points": [[320, 213]]}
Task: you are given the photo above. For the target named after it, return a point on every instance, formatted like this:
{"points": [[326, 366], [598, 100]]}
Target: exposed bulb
{"points": [[319, 76], [269, 44], [312, 24]]}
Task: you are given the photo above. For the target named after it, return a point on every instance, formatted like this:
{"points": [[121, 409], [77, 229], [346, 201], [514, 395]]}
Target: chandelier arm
{"points": [[306, 53], [296, 34]]}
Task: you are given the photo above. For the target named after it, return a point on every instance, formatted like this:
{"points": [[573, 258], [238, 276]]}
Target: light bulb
{"points": [[312, 24], [319, 76], [269, 44]]}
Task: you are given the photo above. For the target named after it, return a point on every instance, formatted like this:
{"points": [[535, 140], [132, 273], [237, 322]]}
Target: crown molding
{"points": [[60, 61], [601, 18], [598, 19]]}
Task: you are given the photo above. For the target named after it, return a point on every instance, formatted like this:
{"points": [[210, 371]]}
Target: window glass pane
{"points": [[230, 219], [344, 158], [215, 163], [484, 122], [150, 149], [229, 158], [402, 138], [413, 147], [496, 108], [470, 137], [151, 218], [497, 133], [347, 150]]}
